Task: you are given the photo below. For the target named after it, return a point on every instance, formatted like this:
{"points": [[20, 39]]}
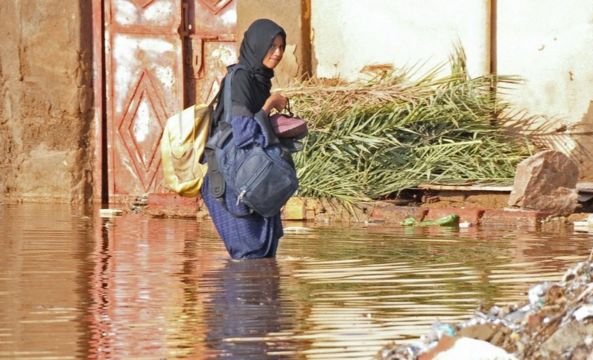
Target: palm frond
{"points": [[372, 139]]}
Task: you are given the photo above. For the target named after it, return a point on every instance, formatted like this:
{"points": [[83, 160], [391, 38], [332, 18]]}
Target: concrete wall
{"points": [[550, 44], [546, 42], [45, 99], [350, 34]]}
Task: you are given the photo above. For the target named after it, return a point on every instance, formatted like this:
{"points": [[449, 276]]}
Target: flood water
{"points": [[74, 285]]}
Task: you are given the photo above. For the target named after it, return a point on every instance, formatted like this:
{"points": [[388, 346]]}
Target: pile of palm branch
{"points": [[371, 140]]}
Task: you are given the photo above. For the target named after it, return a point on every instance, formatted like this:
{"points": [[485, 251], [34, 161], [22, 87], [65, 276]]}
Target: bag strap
{"points": [[226, 90], [288, 110], [228, 99], [217, 185]]}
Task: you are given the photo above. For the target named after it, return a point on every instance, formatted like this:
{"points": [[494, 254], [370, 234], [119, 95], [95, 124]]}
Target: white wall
{"points": [[550, 44], [349, 34]]}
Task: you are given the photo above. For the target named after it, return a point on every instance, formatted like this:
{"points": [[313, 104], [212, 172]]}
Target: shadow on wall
{"points": [[84, 192]]}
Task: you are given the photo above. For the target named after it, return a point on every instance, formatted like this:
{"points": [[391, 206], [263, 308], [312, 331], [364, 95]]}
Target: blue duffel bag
{"points": [[264, 178]]}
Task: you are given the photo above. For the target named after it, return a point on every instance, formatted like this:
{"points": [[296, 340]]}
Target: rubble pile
{"points": [[555, 322]]}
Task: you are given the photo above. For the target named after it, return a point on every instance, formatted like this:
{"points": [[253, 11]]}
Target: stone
{"points": [[569, 336], [547, 182]]}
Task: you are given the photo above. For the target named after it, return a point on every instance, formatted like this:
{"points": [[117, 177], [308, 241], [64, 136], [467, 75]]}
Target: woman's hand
{"points": [[275, 101]]}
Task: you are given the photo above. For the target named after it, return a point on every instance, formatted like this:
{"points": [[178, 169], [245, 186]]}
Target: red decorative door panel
{"points": [[211, 45], [160, 57], [144, 81]]}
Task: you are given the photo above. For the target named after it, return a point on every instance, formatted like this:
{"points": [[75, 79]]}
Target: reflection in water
{"points": [[41, 281], [245, 310], [73, 285], [158, 290], [144, 288]]}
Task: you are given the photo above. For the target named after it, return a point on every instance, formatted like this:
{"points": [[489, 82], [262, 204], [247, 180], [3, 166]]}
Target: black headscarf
{"points": [[251, 88], [255, 45], [257, 40]]}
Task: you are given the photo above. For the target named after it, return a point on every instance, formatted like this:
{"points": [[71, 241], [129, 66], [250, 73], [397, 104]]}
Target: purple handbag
{"points": [[288, 125]]}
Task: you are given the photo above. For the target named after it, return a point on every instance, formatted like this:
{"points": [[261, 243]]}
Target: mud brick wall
{"points": [[46, 103]]}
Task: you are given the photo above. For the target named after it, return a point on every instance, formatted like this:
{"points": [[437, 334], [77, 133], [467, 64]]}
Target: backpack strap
{"points": [[227, 94], [219, 138]]}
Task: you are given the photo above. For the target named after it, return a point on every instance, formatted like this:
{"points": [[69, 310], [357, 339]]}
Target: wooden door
{"points": [[160, 57], [211, 44]]}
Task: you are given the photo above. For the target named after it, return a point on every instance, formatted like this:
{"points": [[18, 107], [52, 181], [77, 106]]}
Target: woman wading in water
{"points": [[262, 48]]}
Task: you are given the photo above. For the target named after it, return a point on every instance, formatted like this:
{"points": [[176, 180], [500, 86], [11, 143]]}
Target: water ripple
{"points": [[74, 285]]}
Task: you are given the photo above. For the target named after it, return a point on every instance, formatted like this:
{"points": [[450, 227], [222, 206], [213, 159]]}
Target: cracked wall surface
{"points": [[46, 100]]}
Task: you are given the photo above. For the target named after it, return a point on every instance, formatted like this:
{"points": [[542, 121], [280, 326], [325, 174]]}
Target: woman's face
{"points": [[275, 53]]}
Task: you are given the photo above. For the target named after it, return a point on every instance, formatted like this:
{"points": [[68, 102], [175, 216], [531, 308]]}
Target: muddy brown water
{"points": [[75, 285]]}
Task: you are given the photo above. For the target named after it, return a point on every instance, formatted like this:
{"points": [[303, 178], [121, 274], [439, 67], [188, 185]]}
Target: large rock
{"points": [[546, 181]]}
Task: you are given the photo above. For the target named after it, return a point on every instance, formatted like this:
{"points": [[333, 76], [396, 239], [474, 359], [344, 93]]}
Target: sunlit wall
{"points": [[545, 42], [349, 34]]}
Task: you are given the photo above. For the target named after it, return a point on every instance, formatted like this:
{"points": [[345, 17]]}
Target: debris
{"points": [[139, 204], [465, 224], [471, 349], [448, 220], [555, 322], [297, 229], [584, 312], [585, 225], [110, 212]]}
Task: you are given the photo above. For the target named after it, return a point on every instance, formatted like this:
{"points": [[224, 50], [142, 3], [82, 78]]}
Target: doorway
{"points": [[153, 59]]}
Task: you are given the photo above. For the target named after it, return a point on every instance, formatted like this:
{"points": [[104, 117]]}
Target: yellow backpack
{"points": [[182, 146]]}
